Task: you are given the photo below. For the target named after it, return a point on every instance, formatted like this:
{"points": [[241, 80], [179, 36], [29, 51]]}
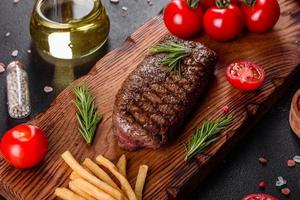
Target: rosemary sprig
{"points": [[86, 113], [175, 53], [205, 135]]}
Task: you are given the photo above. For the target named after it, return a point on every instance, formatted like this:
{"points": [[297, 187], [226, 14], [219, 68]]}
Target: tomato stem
{"points": [[193, 3], [248, 2], [222, 3]]}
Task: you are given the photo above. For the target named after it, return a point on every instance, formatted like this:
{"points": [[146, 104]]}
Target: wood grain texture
{"points": [[169, 176]]}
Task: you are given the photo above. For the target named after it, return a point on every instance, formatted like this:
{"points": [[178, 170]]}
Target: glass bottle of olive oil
{"points": [[68, 30]]}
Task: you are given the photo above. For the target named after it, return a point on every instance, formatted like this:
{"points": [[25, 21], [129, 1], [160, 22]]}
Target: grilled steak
{"points": [[154, 102]]}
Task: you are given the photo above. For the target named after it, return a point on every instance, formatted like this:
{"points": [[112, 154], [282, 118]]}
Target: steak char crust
{"points": [[153, 102]]}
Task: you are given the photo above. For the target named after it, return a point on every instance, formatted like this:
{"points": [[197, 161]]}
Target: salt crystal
{"points": [[48, 89], [16, 1], [149, 2], [124, 8], [14, 53], [7, 34], [114, 1], [28, 50], [2, 67], [280, 181], [296, 159]]}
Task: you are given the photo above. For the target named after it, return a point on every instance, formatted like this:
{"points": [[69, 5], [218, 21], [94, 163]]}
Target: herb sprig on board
{"points": [[175, 53], [205, 136], [87, 115]]}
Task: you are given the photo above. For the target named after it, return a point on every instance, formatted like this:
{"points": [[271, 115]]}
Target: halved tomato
{"points": [[259, 197], [245, 75]]}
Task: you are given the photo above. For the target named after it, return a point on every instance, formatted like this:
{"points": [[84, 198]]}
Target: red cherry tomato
{"points": [[24, 146], [206, 4], [262, 16], [259, 197], [223, 24], [245, 75], [181, 20]]}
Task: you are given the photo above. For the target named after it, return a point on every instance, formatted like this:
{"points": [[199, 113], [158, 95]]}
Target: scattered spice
{"points": [[48, 89], [280, 182], [285, 191], [262, 160], [296, 159], [2, 67], [149, 2], [291, 163], [124, 8], [114, 1], [7, 34], [262, 185], [16, 1], [28, 50], [14, 53], [226, 109]]}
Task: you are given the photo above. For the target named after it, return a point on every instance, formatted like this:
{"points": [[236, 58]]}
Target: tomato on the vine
{"points": [[245, 75], [259, 197], [261, 15], [181, 19], [24, 146], [206, 4], [224, 21]]}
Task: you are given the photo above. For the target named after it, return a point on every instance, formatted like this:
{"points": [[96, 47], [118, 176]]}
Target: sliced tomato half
{"points": [[259, 197], [245, 75]]}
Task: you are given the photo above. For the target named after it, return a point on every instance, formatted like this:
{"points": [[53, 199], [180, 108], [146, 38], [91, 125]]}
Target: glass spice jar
{"points": [[17, 91]]}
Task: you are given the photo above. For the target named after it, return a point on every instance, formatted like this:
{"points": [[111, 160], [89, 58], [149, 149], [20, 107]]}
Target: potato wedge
{"points": [[114, 170], [91, 190], [100, 173], [121, 165], [80, 192], [140, 181], [70, 160], [67, 194]]}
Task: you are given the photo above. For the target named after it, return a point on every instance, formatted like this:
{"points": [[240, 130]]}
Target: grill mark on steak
{"points": [[153, 102]]}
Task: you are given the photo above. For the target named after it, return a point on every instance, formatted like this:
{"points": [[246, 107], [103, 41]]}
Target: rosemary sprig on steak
{"points": [[175, 53], [205, 136], [86, 113]]}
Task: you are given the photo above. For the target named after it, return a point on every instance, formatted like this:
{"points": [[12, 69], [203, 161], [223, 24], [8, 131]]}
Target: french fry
{"points": [[113, 169], [67, 194], [100, 173], [70, 160], [74, 175], [121, 165], [92, 190], [79, 191], [140, 181]]}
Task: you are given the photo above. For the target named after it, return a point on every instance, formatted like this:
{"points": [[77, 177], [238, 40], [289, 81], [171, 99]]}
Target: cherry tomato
{"points": [[24, 146], [206, 4], [261, 16], [223, 24], [245, 75], [259, 197], [181, 20]]}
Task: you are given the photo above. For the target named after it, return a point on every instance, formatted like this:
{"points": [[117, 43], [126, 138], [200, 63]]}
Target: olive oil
{"points": [[68, 30]]}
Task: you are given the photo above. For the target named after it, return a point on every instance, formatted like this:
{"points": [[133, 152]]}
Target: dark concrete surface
{"points": [[237, 176]]}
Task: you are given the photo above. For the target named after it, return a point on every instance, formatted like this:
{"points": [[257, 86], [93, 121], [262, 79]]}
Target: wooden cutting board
{"points": [[170, 176]]}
